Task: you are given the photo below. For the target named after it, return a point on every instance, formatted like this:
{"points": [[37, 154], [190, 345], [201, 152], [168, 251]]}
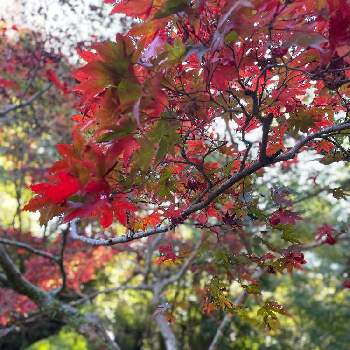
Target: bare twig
{"points": [[29, 248], [12, 108], [61, 261]]}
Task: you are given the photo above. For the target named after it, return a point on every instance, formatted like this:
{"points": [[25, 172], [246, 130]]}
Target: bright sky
{"points": [[79, 20]]}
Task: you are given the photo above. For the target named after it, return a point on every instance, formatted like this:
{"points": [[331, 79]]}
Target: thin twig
{"points": [[29, 248]]}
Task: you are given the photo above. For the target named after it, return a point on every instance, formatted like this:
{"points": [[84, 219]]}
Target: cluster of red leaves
{"points": [[166, 254], [24, 59], [294, 260], [149, 100], [13, 305], [284, 217], [81, 263], [51, 75], [326, 234], [145, 134]]}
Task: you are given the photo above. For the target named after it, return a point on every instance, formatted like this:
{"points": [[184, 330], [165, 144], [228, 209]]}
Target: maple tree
{"points": [[179, 119], [149, 101]]}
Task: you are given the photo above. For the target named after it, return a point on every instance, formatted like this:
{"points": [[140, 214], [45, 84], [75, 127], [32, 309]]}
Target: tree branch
{"points": [[166, 331], [18, 283], [266, 123], [29, 248], [301, 143], [213, 194], [61, 261], [12, 108], [88, 325], [3, 281]]}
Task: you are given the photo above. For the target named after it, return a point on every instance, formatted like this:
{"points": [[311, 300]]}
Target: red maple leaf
{"points": [[166, 254], [151, 220], [121, 208], [284, 217], [294, 260], [63, 186], [141, 10], [51, 75], [339, 23], [326, 234]]}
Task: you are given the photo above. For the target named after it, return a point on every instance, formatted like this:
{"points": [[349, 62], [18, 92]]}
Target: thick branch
{"points": [[164, 327], [266, 123], [166, 331], [301, 143], [88, 325], [3, 281], [28, 331], [18, 282]]}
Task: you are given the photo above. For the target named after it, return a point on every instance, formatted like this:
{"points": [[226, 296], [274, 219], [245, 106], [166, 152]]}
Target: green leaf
{"points": [[222, 257], [128, 92], [226, 169], [278, 265], [170, 7], [273, 323], [115, 57], [164, 134], [339, 193], [159, 142], [289, 234], [255, 213], [167, 184], [176, 51], [124, 130], [241, 260], [144, 155], [252, 288], [218, 291], [231, 37], [301, 121]]}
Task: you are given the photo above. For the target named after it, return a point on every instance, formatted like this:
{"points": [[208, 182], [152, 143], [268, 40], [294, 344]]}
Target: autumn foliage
{"points": [[177, 121], [149, 102], [146, 148]]}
